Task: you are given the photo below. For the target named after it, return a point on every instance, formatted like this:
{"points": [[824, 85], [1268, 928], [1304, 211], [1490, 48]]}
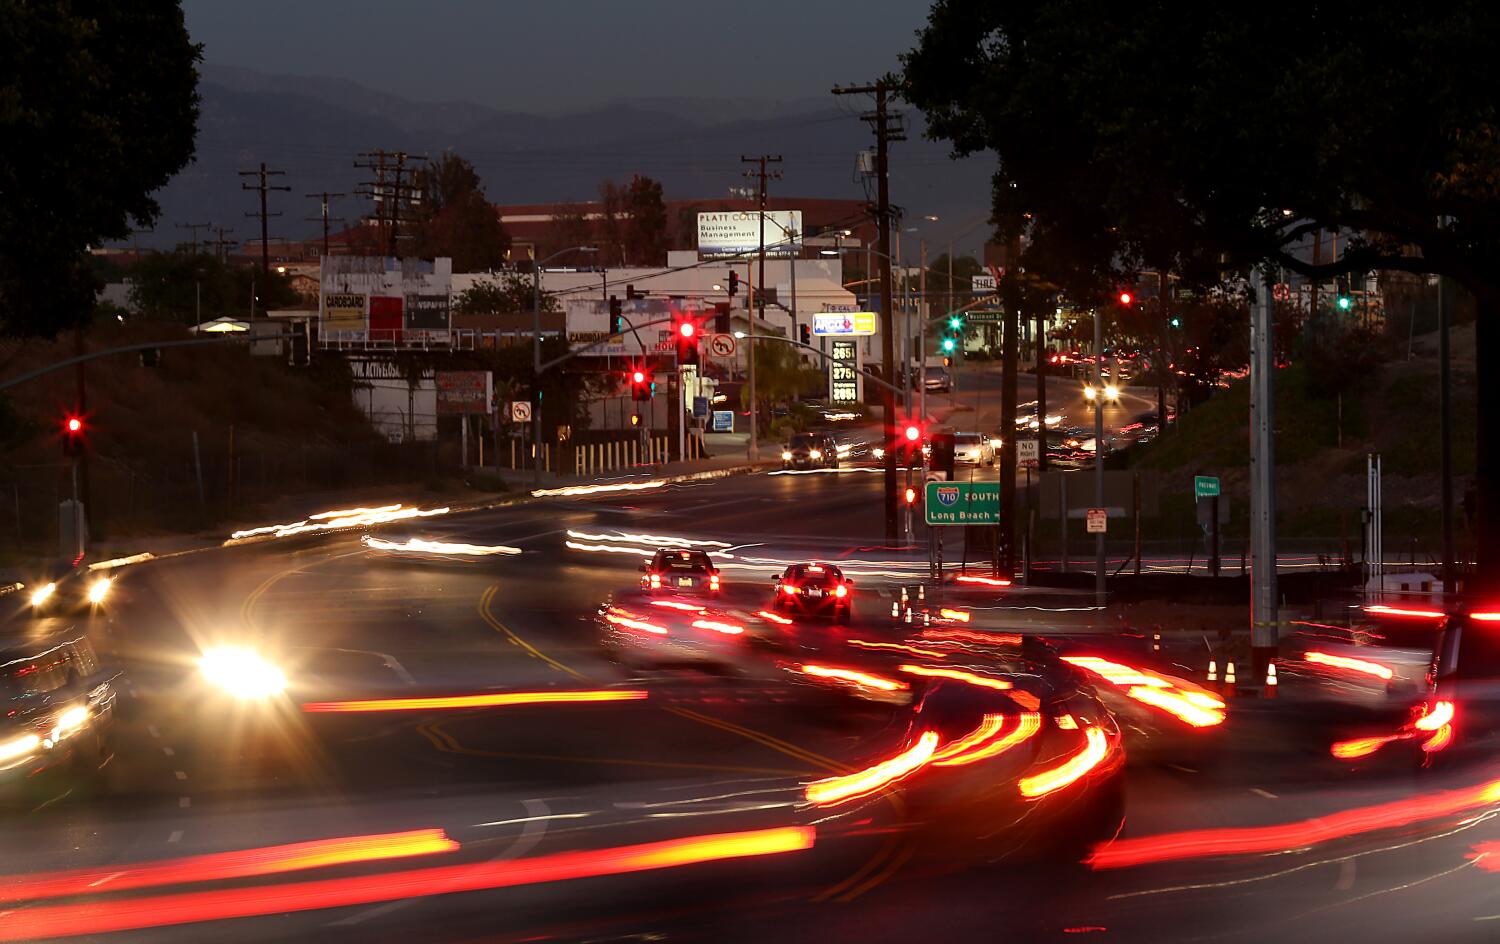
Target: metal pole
{"points": [[536, 369], [1450, 577], [754, 453], [1098, 450], [1263, 616]]}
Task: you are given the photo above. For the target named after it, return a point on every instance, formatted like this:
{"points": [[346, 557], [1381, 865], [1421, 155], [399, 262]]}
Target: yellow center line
{"points": [[775, 743], [484, 612]]}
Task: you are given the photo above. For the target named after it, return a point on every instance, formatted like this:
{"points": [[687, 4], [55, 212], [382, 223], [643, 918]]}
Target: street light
{"points": [[536, 355], [1111, 392]]}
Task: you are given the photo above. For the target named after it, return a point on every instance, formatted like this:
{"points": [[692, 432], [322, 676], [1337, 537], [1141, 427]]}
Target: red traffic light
{"points": [[911, 496], [1126, 298], [638, 377], [74, 424], [913, 434], [687, 329]]}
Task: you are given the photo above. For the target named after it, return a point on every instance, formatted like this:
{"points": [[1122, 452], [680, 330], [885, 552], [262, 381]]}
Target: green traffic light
{"points": [[1344, 302], [955, 322], [948, 345], [1176, 322]]}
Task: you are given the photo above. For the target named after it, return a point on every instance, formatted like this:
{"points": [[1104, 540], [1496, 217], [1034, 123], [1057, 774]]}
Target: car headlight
{"points": [[786, 456], [42, 594], [242, 673], [817, 453], [19, 747], [99, 590], [65, 724], [878, 452]]}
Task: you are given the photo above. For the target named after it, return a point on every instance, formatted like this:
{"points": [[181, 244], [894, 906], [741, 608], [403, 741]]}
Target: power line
{"points": [[194, 227], [325, 198], [263, 186], [220, 243], [390, 194]]}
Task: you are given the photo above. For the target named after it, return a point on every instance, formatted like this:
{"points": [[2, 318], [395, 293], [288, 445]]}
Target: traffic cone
{"points": [[1213, 673], [1229, 686], [1270, 690], [1156, 642], [922, 592], [895, 610], [903, 596], [908, 616], [926, 618]]}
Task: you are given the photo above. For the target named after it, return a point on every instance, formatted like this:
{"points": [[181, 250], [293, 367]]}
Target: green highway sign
{"points": [[1205, 486], [963, 503], [984, 317]]}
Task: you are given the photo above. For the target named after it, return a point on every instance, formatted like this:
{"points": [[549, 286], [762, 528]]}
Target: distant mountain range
{"points": [[312, 128]]}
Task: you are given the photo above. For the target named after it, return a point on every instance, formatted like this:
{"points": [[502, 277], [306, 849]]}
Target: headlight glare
{"points": [[242, 673]]}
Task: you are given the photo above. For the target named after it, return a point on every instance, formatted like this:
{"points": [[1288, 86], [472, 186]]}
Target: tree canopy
{"points": [[1200, 137], [455, 219], [98, 109], [511, 293]]}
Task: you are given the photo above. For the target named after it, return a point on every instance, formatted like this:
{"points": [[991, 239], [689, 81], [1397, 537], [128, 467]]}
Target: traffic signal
{"points": [[732, 284], [635, 419], [943, 454], [911, 495], [151, 356], [804, 334], [640, 385], [686, 336], [956, 322], [912, 433], [949, 345], [1176, 322], [72, 433], [721, 319], [1126, 298], [299, 352], [631, 294], [616, 315], [1344, 302]]}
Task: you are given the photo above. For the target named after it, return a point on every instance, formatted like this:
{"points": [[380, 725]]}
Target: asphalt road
{"points": [[702, 755]]}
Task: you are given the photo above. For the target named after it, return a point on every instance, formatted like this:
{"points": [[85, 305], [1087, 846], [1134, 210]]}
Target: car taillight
{"points": [[789, 590], [656, 581], [713, 582], [841, 591]]}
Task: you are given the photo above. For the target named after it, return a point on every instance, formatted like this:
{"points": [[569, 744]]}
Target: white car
{"points": [[975, 448]]}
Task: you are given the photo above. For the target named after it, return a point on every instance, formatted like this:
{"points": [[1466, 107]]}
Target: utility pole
{"points": [[221, 243], [1263, 617], [264, 187], [1098, 451], [887, 128], [374, 161], [1041, 389], [761, 174], [194, 227], [325, 198]]}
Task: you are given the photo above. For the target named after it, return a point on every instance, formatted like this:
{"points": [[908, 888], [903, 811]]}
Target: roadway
{"points": [[703, 754]]}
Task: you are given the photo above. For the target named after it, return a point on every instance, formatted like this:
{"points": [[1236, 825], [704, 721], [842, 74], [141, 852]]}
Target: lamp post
{"points": [[1098, 394], [536, 357]]}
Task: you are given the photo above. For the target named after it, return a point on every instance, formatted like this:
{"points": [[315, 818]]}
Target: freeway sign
{"points": [[1205, 486], [963, 503]]}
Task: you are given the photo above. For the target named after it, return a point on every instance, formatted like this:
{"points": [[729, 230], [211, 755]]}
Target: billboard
{"points": [[737, 232], [427, 312], [859, 323], [344, 311], [464, 391]]}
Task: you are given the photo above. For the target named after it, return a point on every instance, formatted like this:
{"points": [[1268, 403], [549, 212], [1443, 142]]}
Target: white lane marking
{"points": [[168, 751], [108, 878], [1263, 793], [1186, 770], [533, 827], [184, 802], [175, 835], [153, 731], [527, 819], [1346, 876], [179, 774]]}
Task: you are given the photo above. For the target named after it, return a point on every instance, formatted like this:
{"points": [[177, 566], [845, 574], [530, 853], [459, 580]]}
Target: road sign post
{"points": [[1097, 520], [1207, 486]]}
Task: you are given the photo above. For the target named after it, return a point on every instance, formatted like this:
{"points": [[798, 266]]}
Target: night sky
{"points": [[546, 56]]}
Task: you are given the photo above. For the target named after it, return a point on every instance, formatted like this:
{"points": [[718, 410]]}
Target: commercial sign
{"points": [[1205, 486], [723, 421], [427, 312], [344, 311], [962, 503], [983, 283], [843, 372], [858, 323], [734, 232], [463, 391]]}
